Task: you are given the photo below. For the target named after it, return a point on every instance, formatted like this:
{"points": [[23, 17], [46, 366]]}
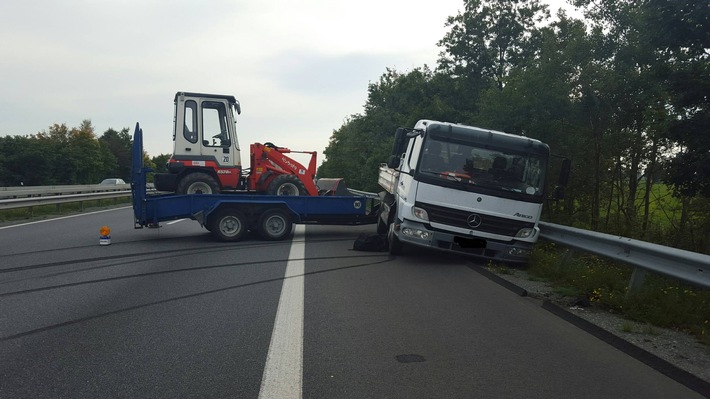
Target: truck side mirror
{"points": [[394, 161], [400, 139]]}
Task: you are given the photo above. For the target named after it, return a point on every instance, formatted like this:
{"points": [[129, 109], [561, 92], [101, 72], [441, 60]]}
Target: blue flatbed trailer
{"points": [[230, 216]]}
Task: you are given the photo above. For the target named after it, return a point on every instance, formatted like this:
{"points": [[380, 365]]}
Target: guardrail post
{"points": [[638, 276], [566, 258]]}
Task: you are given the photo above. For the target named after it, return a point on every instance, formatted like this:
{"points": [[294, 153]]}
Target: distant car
{"points": [[112, 182]]}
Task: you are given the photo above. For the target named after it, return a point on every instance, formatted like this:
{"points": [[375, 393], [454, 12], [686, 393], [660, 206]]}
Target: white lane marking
{"points": [[175, 221], [63, 217], [283, 373]]}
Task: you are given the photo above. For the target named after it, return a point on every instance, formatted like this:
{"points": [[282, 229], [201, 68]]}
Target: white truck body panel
{"points": [[466, 210]]}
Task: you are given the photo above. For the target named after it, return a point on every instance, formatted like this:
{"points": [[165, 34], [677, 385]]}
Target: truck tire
{"points": [[227, 224], [395, 245], [198, 183], [286, 185], [274, 225], [382, 227]]}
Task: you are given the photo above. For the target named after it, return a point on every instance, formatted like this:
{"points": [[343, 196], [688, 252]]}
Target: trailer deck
{"points": [[230, 215]]}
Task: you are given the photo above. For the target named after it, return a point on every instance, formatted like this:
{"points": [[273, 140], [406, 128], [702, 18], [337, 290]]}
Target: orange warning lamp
{"points": [[104, 235]]}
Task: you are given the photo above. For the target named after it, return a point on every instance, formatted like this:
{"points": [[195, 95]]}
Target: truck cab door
{"points": [[406, 185], [218, 134]]}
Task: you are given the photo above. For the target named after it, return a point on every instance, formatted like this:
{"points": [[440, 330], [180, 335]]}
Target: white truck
{"points": [[464, 189]]}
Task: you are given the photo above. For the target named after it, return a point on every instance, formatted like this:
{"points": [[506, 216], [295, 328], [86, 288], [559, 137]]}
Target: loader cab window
{"points": [[189, 130], [215, 132]]}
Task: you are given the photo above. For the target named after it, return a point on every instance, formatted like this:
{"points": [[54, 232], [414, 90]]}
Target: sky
{"points": [[299, 68]]}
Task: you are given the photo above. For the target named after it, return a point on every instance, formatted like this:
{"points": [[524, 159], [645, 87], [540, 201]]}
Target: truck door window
{"points": [[189, 130], [214, 124]]}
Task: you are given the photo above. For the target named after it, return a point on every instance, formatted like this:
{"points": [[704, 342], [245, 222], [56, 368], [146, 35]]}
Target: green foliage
{"points": [[660, 301], [365, 141], [119, 145], [664, 302], [47, 211], [623, 93], [60, 156]]}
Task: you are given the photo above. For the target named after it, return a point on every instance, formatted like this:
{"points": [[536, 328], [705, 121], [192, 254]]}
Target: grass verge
{"points": [[46, 211], [661, 301]]}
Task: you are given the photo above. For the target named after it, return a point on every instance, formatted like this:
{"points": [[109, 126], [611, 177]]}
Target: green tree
{"points": [[489, 38], [679, 31], [119, 145], [160, 162], [356, 150]]}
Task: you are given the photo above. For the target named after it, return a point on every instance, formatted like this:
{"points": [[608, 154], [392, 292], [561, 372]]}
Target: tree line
{"points": [[623, 92], [61, 155]]}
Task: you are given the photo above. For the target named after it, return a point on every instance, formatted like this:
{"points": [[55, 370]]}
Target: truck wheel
{"points": [[274, 225], [227, 225], [382, 227], [198, 183], [395, 245], [286, 185]]}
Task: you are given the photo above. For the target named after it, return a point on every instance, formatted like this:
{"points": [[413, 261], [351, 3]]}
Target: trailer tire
{"points": [[197, 183], [286, 185], [227, 224], [275, 225]]}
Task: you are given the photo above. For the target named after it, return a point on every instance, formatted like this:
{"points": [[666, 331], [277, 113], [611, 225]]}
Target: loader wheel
{"points": [[227, 224], [286, 185], [198, 183], [274, 225]]}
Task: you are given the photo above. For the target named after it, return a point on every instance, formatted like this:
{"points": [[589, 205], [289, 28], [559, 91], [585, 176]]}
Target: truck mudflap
{"points": [[413, 233]]}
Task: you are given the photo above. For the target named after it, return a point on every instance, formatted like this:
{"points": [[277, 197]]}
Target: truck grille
{"points": [[459, 218]]}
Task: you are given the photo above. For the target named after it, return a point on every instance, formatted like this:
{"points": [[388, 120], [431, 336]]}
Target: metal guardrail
{"points": [[27, 197], [687, 266], [59, 199], [41, 191]]}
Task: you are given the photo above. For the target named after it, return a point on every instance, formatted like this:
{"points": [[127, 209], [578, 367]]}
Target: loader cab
{"points": [[204, 129], [206, 156]]}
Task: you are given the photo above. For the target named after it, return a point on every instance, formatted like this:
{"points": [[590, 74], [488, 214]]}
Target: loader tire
{"points": [[198, 183], [286, 185]]}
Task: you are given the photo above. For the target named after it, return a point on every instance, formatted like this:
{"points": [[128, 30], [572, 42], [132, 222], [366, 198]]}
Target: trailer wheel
{"points": [[286, 185], [227, 225], [274, 225], [198, 183]]}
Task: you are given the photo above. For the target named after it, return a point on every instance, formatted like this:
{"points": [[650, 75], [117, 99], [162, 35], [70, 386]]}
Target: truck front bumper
{"points": [[413, 233]]}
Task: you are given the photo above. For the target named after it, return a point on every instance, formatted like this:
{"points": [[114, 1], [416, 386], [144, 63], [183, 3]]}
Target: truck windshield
{"points": [[520, 174]]}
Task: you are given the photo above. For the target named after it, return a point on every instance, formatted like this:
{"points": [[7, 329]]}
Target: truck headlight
{"points": [[526, 232], [420, 213], [416, 233]]}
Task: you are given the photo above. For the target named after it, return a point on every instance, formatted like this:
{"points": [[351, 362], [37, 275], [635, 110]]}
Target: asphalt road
{"points": [[171, 313]]}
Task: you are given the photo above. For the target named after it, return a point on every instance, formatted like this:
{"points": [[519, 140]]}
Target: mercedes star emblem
{"points": [[474, 220]]}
